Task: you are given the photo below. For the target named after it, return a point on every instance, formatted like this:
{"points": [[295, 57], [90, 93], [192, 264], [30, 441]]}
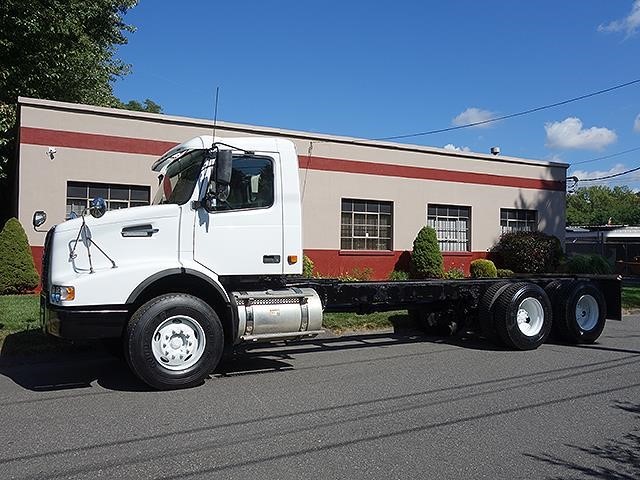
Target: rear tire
{"points": [[486, 310], [523, 316], [580, 313], [174, 341]]}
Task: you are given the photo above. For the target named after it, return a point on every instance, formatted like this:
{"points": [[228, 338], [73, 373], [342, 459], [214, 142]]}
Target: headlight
{"points": [[62, 294]]}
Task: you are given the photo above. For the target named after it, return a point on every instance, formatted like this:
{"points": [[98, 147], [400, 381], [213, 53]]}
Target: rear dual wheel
{"points": [[579, 312], [522, 316]]}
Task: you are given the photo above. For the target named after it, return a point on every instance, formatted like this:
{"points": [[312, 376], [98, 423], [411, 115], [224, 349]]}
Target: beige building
{"points": [[363, 201]]}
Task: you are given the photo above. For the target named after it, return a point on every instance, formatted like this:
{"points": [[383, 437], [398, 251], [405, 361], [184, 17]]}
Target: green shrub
{"points": [[454, 274], [527, 252], [590, 264], [482, 268], [307, 267], [504, 272], [357, 275], [17, 271], [399, 275], [426, 258]]}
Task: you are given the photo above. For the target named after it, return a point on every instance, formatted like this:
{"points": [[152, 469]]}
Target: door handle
{"points": [[139, 231], [271, 259]]}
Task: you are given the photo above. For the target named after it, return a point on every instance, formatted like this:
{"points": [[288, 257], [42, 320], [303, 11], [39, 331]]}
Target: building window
{"points": [[452, 225], [515, 220], [79, 194], [366, 225]]}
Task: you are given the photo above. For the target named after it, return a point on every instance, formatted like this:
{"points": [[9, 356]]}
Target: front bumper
{"points": [[83, 323]]}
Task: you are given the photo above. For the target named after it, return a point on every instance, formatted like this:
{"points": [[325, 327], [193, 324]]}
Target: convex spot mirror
{"points": [[39, 217], [98, 207]]}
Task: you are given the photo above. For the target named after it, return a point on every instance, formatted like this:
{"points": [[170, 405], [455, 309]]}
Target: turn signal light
{"points": [[292, 259], [62, 294]]}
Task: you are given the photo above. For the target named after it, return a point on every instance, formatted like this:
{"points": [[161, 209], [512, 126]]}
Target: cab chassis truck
{"points": [[215, 262]]}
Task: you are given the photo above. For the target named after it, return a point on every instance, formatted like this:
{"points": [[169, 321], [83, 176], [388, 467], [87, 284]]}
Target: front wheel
{"points": [[174, 341]]}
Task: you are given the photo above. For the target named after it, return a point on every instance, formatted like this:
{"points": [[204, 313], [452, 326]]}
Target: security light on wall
{"points": [[51, 152]]}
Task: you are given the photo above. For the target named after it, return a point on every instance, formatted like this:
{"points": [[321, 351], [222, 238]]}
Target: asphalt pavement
{"points": [[377, 406]]}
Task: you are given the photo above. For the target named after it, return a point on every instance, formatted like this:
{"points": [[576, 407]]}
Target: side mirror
{"points": [[39, 217], [223, 173], [98, 207]]}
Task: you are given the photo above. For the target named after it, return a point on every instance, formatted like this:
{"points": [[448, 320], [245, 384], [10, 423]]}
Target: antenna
{"points": [[215, 118]]}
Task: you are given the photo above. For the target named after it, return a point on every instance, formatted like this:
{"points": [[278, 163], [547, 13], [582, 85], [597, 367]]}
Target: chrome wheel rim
{"points": [[530, 317], [587, 312], [178, 343]]}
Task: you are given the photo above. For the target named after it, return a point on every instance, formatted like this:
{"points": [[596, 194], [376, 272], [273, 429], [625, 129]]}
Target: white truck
{"points": [[216, 262]]}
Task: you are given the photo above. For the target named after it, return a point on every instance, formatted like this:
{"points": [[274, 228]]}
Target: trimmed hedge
{"points": [[454, 274], [590, 264], [17, 271], [482, 268], [527, 252], [504, 273], [426, 258], [399, 275]]}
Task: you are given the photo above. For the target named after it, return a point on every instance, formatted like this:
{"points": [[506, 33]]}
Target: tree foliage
{"points": [[147, 106], [596, 205], [527, 252], [17, 271], [426, 257]]}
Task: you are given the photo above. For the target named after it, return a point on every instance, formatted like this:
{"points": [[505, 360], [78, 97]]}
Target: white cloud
{"points": [[636, 124], [569, 134], [629, 24], [473, 115], [451, 146]]}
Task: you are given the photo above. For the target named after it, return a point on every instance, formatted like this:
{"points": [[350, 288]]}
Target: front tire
{"points": [[174, 341], [523, 316]]}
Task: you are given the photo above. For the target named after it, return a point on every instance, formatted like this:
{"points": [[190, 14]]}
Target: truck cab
{"points": [[198, 271]]}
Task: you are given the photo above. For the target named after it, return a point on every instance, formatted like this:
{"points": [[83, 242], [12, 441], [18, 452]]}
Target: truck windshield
{"points": [[176, 185]]}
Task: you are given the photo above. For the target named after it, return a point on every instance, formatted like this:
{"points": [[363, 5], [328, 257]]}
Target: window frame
{"points": [[444, 241], [368, 211], [517, 211], [88, 185]]}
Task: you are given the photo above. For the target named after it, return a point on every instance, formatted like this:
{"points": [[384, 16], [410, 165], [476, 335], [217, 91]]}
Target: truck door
{"points": [[244, 233]]}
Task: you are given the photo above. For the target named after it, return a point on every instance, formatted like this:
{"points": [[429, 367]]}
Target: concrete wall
{"points": [[104, 145]]}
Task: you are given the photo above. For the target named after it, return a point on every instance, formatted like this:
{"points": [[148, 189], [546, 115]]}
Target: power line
{"points": [[606, 156], [512, 115], [610, 176]]}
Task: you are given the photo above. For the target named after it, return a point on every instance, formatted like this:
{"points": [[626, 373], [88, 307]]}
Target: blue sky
{"points": [[378, 69]]}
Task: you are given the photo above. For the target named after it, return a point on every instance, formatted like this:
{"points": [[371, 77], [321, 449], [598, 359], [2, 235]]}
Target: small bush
{"points": [[399, 275], [527, 252], [454, 274], [589, 264], [17, 271], [426, 258], [504, 272], [357, 275], [482, 268], [307, 267]]}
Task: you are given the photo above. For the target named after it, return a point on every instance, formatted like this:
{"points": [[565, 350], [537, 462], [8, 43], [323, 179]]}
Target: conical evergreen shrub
{"points": [[17, 271], [426, 258]]}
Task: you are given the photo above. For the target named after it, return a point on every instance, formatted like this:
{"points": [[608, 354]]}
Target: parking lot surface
{"points": [[380, 405]]}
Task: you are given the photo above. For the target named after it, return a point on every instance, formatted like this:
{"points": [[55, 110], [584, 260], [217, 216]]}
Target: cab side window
{"points": [[251, 184]]}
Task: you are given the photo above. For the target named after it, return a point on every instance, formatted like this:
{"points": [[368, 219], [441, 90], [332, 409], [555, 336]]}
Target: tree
{"points": [[599, 205], [58, 50], [147, 106], [426, 257], [17, 271]]}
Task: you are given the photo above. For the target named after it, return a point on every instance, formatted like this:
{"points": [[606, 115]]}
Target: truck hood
{"points": [[124, 217]]}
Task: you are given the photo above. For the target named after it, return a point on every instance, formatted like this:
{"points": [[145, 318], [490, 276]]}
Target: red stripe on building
{"points": [[91, 141], [423, 173], [110, 143]]}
